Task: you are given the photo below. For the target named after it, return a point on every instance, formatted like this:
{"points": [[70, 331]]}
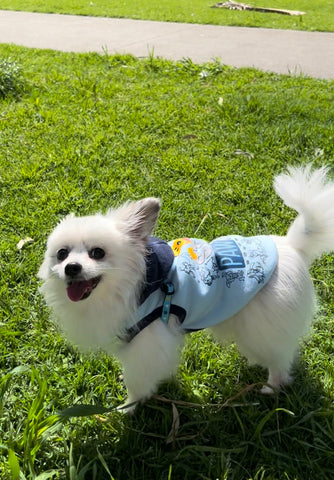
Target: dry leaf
{"points": [[23, 242], [175, 426]]}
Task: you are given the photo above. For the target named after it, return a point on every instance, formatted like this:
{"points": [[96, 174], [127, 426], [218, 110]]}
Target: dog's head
{"points": [[93, 256]]}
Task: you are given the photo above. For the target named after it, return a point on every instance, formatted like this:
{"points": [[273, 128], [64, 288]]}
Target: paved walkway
{"points": [[281, 51]]}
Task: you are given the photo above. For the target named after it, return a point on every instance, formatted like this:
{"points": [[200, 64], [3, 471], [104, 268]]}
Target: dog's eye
{"points": [[62, 254], [96, 253]]}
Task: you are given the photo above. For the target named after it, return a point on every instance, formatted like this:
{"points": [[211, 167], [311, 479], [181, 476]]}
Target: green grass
{"points": [[319, 15], [91, 131]]}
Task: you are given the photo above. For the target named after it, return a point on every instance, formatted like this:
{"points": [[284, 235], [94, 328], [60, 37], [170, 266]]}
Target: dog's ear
{"points": [[138, 219]]}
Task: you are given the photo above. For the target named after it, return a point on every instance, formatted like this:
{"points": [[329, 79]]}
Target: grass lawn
{"points": [[319, 15], [89, 132]]}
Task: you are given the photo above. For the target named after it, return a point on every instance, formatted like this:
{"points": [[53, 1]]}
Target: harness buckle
{"points": [[168, 289]]}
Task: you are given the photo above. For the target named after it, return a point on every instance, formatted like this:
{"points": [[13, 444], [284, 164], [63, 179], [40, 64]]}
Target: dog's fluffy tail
{"points": [[312, 195]]}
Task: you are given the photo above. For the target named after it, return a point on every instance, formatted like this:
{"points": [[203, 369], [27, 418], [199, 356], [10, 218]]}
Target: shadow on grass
{"points": [[287, 436]]}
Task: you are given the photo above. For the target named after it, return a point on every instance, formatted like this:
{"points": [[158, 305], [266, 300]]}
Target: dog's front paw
{"points": [[128, 407], [277, 380], [268, 390]]}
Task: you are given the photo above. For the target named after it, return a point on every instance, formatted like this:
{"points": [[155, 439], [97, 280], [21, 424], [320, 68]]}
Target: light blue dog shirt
{"points": [[211, 281]]}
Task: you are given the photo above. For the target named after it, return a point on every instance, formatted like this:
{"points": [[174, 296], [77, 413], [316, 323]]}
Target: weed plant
{"points": [[11, 80], [93, 131]]}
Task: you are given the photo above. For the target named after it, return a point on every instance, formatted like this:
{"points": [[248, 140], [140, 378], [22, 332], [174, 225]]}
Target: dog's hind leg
{"points": [[269, 329]]}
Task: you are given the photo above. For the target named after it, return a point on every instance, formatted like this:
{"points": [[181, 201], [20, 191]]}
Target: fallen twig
{"points": [[242, 6], [227, 403]]}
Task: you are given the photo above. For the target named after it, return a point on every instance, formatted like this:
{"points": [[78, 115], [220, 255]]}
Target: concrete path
{"points": [[281, 51]]}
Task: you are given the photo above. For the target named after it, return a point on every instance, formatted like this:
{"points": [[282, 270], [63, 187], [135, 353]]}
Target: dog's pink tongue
{"points": [[77, 290]]}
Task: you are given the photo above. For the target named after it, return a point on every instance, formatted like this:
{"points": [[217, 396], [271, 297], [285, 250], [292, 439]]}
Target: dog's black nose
{"points": [[73, 269]]}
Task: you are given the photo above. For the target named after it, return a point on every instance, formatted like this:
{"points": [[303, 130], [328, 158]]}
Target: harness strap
{"points": [[162, 312]]}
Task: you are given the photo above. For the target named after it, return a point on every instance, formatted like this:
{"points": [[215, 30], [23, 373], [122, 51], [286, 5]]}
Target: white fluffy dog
{"points": [[114, 287]]}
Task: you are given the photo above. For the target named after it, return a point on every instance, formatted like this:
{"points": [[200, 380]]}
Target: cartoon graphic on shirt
{"points": [[179, 243], [198, 250], [196, 259], [256, 271], [230, 276]]}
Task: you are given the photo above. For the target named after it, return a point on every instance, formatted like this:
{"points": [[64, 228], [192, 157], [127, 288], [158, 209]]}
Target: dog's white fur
{"points": [[267, 330]]}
